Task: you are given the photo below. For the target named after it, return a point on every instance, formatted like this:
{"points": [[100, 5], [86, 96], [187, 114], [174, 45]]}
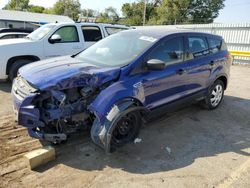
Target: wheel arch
{"points": [[102, 127], [224, 79], [13, 59]]}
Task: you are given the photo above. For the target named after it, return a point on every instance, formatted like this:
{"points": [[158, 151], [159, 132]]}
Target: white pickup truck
{"points": [[51, 40]]}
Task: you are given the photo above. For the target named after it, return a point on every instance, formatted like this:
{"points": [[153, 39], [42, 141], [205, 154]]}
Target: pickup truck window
{"points": [[67, 34], [113, 30], [40, 32], [91, 33]]}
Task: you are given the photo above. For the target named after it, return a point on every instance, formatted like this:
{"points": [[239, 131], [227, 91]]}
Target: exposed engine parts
{"points": [[65, 112]]}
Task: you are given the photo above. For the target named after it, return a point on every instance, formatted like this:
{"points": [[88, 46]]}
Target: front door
{"points": [[70, 43], [164, 86]]}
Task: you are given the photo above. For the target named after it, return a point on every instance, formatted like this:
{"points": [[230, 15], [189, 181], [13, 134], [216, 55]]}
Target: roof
{"points": [[32, 17], [159, 32]]}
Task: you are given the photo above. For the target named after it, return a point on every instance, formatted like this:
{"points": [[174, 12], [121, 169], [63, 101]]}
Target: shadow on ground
{"points": [[5, 87], [171, 142]]}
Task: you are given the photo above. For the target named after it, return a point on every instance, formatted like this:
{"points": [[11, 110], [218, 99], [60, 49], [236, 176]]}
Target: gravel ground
{"points": [[189, 148]]}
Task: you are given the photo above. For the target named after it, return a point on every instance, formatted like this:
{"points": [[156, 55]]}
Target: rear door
{"points": [[91, 35], [199, 63]]}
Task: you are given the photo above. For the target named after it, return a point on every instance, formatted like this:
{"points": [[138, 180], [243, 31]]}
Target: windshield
{"points": [[40, 32], [117, 50]]}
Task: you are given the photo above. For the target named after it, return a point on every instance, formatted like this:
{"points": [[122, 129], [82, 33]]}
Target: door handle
{"points": [[211, 63], [181, 71]]}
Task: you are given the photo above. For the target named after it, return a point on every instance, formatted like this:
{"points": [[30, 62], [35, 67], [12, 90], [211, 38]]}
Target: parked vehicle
{"points": [[117, 82], [15, 30], [51, 40], [12, 35]]}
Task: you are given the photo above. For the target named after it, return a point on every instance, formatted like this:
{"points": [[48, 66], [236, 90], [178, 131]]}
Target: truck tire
{"points": [[15, 66]]}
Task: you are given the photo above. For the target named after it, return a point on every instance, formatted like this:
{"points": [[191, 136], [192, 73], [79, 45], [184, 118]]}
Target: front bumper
{"points": [[26, 113]]}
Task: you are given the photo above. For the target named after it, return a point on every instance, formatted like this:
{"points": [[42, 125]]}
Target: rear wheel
{"points": [[215, 95], [16, 65]]}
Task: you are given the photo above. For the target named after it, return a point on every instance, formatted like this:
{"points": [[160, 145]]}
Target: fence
{"points": [[237, 37]]}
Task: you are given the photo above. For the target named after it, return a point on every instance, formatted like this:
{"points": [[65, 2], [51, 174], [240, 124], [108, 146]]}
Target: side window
{"points": [[170, 51], [20, 36], [223, 45], [113, 30], [8, 37], [91, 33], [214, 45], [197, 46], [67, 34]]}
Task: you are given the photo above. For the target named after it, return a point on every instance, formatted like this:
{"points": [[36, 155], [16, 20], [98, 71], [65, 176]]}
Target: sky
{"points": [[235, 11]]}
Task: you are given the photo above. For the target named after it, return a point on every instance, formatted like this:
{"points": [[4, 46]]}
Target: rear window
{"points": [[8, 37], [214, 45], [197, 46], [113, 30], [91, 33]]}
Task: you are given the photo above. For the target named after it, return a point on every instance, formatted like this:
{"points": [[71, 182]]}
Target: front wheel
{"points": [[215, 95], [16, 65], [126, 129]]}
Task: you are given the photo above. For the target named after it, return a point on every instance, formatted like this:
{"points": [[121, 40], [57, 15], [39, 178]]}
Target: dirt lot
{"points": [[189, 148]]}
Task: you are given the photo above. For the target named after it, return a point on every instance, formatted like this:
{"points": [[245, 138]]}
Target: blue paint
{"points": [[149, 88]]}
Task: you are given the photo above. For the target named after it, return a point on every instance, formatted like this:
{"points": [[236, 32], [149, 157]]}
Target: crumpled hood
{"points": [[66, 72]]}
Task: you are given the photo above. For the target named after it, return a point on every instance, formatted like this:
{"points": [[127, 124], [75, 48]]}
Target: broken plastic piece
{"points": [[137, 140]]}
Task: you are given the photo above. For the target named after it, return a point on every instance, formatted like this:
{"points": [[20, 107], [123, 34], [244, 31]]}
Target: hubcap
{"points": [[216, 95]]}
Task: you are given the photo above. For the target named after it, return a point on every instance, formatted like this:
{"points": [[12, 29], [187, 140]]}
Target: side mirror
{"points": [[155, 64], [55, 38]]}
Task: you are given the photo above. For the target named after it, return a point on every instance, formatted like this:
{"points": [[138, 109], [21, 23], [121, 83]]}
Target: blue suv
{"points": [[119, 81]]}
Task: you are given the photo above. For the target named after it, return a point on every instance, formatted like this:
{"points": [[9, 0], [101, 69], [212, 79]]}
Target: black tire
{"points": [[126, 129], [215, 95], [15, 66]]}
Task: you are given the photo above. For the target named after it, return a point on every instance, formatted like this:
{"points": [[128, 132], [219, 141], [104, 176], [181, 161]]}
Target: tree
{"points": [[133, 12], [204, 11], [109, 15], [71, 8], [172, 11], [17, 5], [89, 12], [36, 9]]}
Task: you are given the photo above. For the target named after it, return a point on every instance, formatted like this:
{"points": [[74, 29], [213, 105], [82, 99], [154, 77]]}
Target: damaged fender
{"points": [[101, 131]]}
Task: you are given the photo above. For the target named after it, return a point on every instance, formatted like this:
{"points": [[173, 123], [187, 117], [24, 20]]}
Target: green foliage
{"points": [[172, 11], [71, 8], [17, 5], [201, 11], [89, 12], [109, 15], [48, 11], [36, 9], [158, 12]]}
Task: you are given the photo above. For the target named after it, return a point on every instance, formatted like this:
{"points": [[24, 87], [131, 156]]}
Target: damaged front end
{"points": [[52, 115]]}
